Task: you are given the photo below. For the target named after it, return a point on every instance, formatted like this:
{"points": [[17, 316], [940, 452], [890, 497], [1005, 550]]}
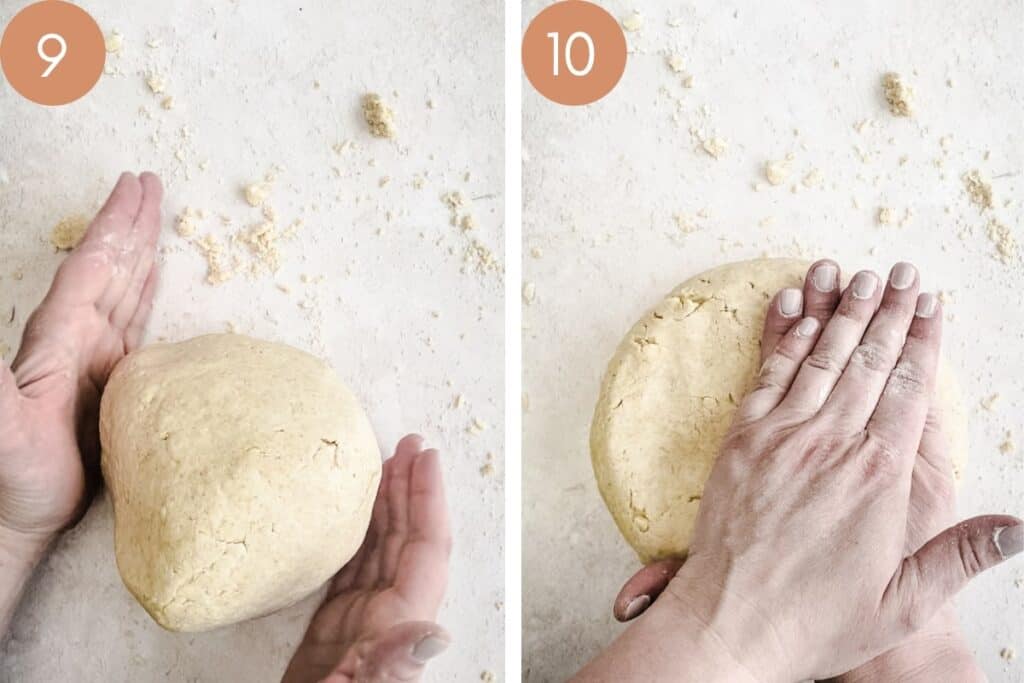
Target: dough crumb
{"points": [[379, 117], [487, 677], [1007, 446], [776, 172], [886, 215], [814, 178], [1008, 653], [715, 147], [257, 194], [1004, 241], [529, 293], [68, 232], [633, 23], [114, 42], [468, 222], [989, 402], [675, 62], [898, 95], [167, 103], [156, 83], [979, 189]]}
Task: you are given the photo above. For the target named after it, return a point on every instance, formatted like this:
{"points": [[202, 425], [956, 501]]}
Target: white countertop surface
{"points": [[601, 186], [405, 321]]}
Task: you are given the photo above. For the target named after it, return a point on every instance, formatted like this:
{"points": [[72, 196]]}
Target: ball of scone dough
{"points": [[670, 391], [242, 474]]}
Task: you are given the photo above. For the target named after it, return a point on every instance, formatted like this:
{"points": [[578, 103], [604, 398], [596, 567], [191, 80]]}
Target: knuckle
{"points": [[872, 357], [971, 556], [909, 377], [882, 459], [824, 359]]}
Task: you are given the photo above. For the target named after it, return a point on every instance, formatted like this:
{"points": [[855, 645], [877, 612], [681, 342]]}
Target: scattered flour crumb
{"points": [[536, 252], [468, 222], [776, 172], [157, 84], [257, 194], [379, 117], [898, 95], [167, 103], [675, 62], [886, 215], [814, 178], [633, 23], [487, 677], [1007, 446], [715, 147], [978, 189], [989, 402], [1008, 654], [529, 292], [114, 42], [1004, 241], [69, 232]]}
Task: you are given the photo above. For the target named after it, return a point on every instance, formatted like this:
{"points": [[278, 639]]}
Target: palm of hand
{"points": [[92, 316], [384, 600]]}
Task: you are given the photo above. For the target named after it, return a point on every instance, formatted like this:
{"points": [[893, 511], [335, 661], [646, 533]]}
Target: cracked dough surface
{"points": [[242, 474], [670, 391]]}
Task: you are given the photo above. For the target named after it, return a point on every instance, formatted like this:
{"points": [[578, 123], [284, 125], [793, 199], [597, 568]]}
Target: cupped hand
{"points": [[376, 624], [93, 314], [931, 508], [798, 567]]}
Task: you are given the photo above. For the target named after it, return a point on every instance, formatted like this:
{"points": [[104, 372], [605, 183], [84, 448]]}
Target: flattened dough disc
{"points": [[670, 391]]}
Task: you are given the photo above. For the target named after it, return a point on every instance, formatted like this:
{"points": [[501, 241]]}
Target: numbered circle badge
{"points": [[52, 52], [574, 52]]}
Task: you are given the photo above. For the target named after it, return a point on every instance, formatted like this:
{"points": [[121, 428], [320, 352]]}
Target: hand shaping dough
{"points": [[242, 474], [669, 395]]}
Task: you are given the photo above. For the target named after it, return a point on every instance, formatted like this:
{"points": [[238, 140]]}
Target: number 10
{"points": [[578, 35]]}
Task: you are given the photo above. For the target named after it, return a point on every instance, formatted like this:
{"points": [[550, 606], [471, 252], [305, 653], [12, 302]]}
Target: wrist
{"points": [[20, 550], [936, 652], [726, 627]]}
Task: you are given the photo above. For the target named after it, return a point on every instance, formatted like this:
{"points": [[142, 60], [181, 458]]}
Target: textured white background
{"points": [[395, 315], [601, 184]]}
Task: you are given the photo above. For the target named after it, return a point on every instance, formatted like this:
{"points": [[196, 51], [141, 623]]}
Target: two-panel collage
{"points": [[489, 340]]}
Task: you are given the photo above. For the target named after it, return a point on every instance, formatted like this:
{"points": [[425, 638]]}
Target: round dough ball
{"points": [[670, 391], [242, 474]]}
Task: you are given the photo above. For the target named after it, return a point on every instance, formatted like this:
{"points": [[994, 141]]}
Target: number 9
{"points": [[53, 61]]}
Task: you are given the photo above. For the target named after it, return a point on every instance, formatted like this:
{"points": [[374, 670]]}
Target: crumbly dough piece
{"points": [[979, 189], [898, 95], [242, 474], [68, 232], [379, 117], [669, 395]]}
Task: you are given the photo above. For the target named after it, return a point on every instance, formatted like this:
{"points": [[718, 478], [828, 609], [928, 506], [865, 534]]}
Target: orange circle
{"points": [[52, 27], [587, 36]]}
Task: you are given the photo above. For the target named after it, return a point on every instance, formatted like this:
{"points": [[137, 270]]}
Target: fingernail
{"points": [[791, 302], [428, 648], [864, 285], [926, 304], [902, 276], [807, 327], [824, 277], [637, 606], [1009, 540]]}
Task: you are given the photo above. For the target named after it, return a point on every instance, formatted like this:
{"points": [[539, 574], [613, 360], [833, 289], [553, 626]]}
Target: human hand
{"points": [[797, 568], [939, 646], [93, 314], [376, 623]]}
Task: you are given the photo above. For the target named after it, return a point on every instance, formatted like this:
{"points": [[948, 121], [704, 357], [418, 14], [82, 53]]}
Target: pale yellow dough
{"points": [[669, 395], [242, 474]]}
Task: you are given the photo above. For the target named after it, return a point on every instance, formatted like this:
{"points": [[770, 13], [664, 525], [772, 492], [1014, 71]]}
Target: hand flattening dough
{"points": [[669, 395], [242, 474]]}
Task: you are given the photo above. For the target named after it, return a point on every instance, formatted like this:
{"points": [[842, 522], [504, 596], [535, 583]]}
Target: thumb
{"points": [[401, 653], [942, 566], [643, 588], [8, 391]]}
